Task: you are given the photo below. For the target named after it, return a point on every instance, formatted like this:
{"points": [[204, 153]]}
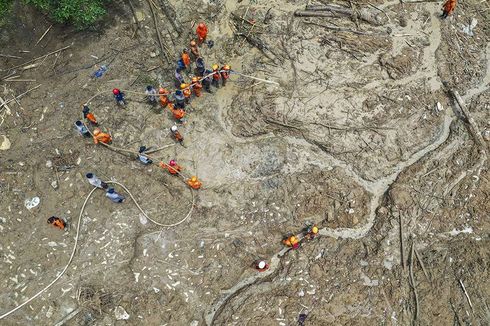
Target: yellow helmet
{"points": [[194, 178], [195, 79], [215, 67], [226, 67], [314, 230]]}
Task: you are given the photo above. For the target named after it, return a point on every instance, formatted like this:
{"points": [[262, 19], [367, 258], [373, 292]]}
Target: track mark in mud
{"points": [[377, 188]]}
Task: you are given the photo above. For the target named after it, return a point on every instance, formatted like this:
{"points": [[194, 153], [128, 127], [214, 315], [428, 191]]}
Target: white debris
{"points": [[455, 232], [156, 290], [31, 203], [136, 276], [49, 313], [439, 107], [54, 184], [468, 29], [143, 219], [120, 313], [5, 143], [194, 323], [301, 293], [52, 244]]}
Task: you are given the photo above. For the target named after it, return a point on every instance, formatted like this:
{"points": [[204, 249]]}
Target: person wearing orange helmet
{"points": [[194, 48], [178, 113], [186, 90], [225, 74], [196, 86], [88, 115], [202, 33], [216, 76], [194, 183], [163, 97], [101, 137], [291, 241], [57, 222]]}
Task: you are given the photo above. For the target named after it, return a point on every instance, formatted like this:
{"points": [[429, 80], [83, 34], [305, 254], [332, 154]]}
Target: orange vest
{"points": [[202, 32], [91, 118], [178, 114], [194, 185], [187, 92], [103, 138], [449, 6], [174, 169], [186, 59]]}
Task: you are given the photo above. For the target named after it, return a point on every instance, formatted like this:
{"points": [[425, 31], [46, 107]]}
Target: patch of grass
{"points": [[5, 8]]}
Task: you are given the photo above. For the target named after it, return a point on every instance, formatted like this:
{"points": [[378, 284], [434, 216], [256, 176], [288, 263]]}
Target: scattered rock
{"points": [[54, 184], [120, 313], [5, 143]]}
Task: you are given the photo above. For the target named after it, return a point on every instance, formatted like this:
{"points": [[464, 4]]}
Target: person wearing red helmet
{"points": [[119, 97], [202, 33], [172, 167]]}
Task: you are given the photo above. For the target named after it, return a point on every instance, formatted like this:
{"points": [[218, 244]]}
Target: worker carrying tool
{"points": [[119, 97], [179, 99], [82, 129], [89, 116], [57, 222], [95, 181], [225, 74], [114, 196], [172, 167], [186, 90], [151, 93], [216, 76], [143, 158], [101, 137], [178, 137], [163, 93], [178, 114], [291, 241], [261, 265], [194, 183], [186, 59], [196, 86], [202, 33], [448, 8], [194, 48], [311, 232]]}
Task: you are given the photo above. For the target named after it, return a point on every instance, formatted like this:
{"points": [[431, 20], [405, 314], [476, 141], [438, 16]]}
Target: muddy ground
{"points": [[351, 140]]}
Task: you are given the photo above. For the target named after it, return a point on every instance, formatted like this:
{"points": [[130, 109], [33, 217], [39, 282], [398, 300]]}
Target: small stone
{"points": [[54, 184], [5, 143], [486, 135], [153, 54], [49, 164], [120, 313], [383, 211]]}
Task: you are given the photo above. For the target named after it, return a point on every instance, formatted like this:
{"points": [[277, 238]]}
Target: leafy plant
{"points": [[5, 7]]}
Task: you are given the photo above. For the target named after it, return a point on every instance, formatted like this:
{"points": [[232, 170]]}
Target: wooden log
{"points": [[329, 11]]}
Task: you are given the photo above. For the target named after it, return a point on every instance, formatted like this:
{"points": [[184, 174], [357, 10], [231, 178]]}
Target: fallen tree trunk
{"points": [[330, 11]]}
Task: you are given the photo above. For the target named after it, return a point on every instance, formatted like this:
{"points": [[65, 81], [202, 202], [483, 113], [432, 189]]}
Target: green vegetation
{"points": [[81, 13]]}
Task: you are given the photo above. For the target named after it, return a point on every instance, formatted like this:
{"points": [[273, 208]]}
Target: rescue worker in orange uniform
{"points": [[163, 97], [186, 59], [448, 8], [216, 76], [178, 114], [202, 33], [89, 116], [196, 86], [225, 74], [186, 90], [194, 183], [172, 167], [177, 135], [57, 222], [102, 137], [291, 241], [261, 265], [194, 49]]}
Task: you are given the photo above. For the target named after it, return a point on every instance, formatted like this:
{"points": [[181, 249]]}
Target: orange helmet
{"points": [[195, 79], [226, 67], [193, 43], [162, 90], [96, 131]]}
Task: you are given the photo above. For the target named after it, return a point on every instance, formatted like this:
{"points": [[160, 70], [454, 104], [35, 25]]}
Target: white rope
{"points": [[78, 234]]}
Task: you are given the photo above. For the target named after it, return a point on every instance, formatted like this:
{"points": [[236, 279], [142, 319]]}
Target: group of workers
{"points": [[176, 102], [292, 241]]}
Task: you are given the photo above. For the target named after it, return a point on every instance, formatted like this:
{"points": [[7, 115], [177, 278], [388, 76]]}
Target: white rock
{"points": [[120, 313], [31, 203], [5, 143], [49, 164]]}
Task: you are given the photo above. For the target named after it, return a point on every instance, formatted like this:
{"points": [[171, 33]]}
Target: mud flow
{"points": [[370, 120]]}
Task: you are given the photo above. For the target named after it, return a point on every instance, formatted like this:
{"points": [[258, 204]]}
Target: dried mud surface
{"points": [[351, 140]]}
